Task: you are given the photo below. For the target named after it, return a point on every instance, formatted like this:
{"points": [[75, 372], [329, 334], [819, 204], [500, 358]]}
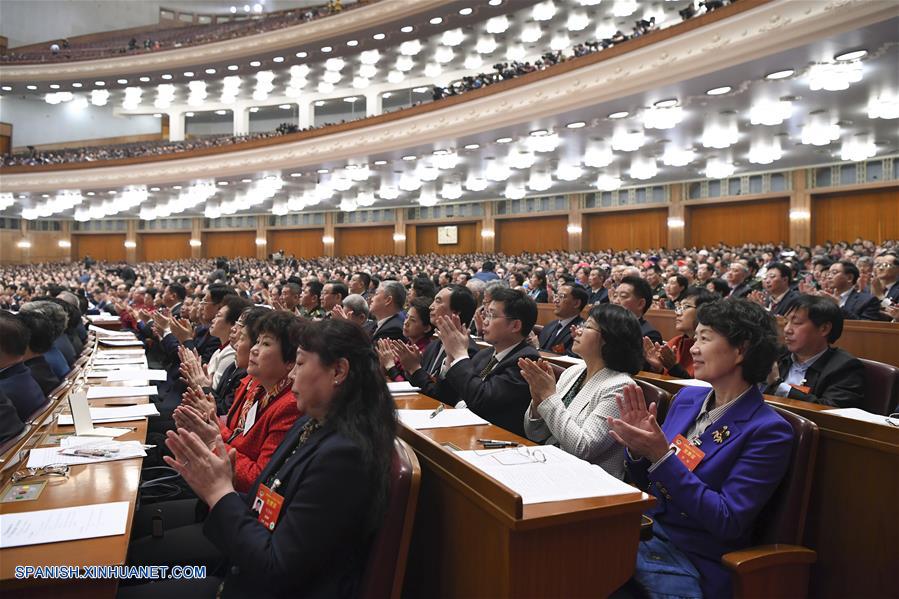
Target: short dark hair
{"points": [[424, 287], [179, 290], [641, 289], [14, 335], [41, 329], [519, 278], [743, 322], [784, 270], [517, 305], [234, 307], [338, 288], [682, 281], [251, 320], [850, 269], [488, 266], [821, 310], [579, 294], [284, 327], [702, 295], [218, 292], [422, 306], [366, 278], [720, 285], [462, 302], [315, 288], [294, 287], [622, 348]]}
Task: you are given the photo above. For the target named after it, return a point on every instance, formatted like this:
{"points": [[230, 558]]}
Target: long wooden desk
{"points": [[853, 505], [473, 537], [87, 484]]}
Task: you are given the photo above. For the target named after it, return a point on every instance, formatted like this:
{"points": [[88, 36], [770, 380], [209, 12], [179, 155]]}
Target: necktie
{"points": [[438, 361], [493, 362]]}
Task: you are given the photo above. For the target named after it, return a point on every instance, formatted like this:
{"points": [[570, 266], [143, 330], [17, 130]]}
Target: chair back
{"points": [[782, 520], [881, 387], [39, 410], [386, 565], [651, 394]]}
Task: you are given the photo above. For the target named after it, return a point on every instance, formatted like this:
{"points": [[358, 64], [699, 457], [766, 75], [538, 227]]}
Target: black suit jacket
{"points": [[43, 374], [837, 379], [392, 329], [319, 545], [741, 290], [427, 378], [861, 305], [647, 330], [227, 387], [893, 293], [599, 297], [551, 339], [503, 395], [783, 306], [18, 384], [10, 423]]}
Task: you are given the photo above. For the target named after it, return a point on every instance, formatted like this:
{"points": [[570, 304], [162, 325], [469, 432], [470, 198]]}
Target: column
{"points": [[399, 231], [24, 245], [304, 114], [241, 120], [176, 126], [328, 235], [65, 234], [800, 209], [488, 230], [676, 220], [196, 237], [373, 103], [131, 241], [261, 236], [575, 222]]}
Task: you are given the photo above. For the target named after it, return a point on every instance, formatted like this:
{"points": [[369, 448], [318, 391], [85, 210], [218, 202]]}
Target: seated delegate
{"points": [[674, 357]]}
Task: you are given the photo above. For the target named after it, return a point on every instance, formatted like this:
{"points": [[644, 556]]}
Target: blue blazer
{"points": [[18, 384], [712, 510]]}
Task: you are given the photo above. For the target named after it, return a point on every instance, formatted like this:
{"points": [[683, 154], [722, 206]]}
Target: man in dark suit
{"points": [[857, 305], [490, 383], [10, 423], [812, 370], [886, 273], [15, 378], [386, 306], [737, 277], [635, 294], [556, 336], [598, 293], [780, 296]]}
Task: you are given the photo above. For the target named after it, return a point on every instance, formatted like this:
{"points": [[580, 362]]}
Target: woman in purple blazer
{"points": [[715, 462]]}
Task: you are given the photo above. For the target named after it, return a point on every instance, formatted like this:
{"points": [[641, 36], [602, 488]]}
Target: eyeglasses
{"points": [[48, 470], [582, 327], [884, 266], [681, 308], [520, 455], [893, 419], [493, 316]]}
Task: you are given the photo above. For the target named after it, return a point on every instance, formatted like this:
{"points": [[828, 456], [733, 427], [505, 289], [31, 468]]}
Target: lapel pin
{"points": [[720, 435]]}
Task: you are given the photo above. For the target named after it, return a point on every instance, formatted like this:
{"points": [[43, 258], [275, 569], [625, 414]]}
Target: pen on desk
{"points": [[497, 443], [437, 411]]}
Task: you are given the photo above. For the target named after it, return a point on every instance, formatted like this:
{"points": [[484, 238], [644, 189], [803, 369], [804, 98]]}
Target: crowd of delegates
{"points": [[35, 157], [173, 37], [276, 386]]}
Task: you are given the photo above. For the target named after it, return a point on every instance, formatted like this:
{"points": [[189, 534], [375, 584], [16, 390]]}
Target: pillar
{"points": [[131, 241], [261, 236], [196, 237], [575, 222], [328, 237], [800, 209], [373, 103], [399, 231], [304, 114], [176, 126], [676, 220], [65, 233], [488, 230], [241, 120]]}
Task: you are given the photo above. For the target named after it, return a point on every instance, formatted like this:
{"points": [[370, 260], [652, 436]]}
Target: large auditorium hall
{"points": [[474, 299]]}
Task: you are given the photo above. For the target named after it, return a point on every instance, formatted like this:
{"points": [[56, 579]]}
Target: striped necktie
{"points": [[493, 362]]}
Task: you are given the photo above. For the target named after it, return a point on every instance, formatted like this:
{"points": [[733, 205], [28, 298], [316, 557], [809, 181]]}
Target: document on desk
{"points": [[121, 352], [120, 342], [101, 332], [103, 318], [123, 414], [560, 477], [100, 392], [566, 359], [421, 419], [95, 452], [857, 414], [136, 375], [402, 387], [119, 360], [63, 524]]}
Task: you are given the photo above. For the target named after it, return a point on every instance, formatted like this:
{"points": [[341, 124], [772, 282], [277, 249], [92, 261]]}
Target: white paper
{"points": [[100, 392], [123, 342], [686, 382], [121, 414], [102, 431], [858, 414], [565, 359], [562, 477], [141, 374], [421, 419], [121, 352], [402, 387], [81, 413], [103, 318], [109, 332], [45, 456], [118, 360], [63, 524], [250, 420]]}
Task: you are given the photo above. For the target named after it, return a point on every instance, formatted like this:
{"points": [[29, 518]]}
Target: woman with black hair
{"points": [[717, 459], [39, 343], [537, 289], [674, 357], [304, 528], [573, 412], [417, 328]]}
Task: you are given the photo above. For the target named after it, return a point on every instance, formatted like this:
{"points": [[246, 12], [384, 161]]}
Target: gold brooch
{"points": [[720, 435]]}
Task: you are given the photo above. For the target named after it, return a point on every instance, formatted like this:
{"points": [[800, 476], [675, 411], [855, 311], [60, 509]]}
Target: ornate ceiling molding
{"points": [[372, 15], [769, 28]]}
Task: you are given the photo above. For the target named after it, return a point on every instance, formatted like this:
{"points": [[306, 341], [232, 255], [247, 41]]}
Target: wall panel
{"points": [[538, 234], [363, 241], [736, 223], [870, 215], [44, 247], [626, 230], [302, 243], [163, 246], [99, 246], [231, 244], [426, 239]]}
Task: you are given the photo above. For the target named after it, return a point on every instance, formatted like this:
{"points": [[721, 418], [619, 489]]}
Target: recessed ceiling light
{"points": [[100, 83], [176, 187], [246, 180], [255, 63], [7, 88], [188, 73], [352, 43], [278, 59], [76, 84], [322, 171], [495, 2], [166, 76], [90, 193], [222, 183], [112, 193], [619, 115], [779, 74], [465, 11], [854, 55], [221, 112], [31, 87], [296, 175], [151, 189], [254, 109], [145, 79], [576, 125], [378, 36], [718, 91], [210, 71], [54, 86], [504, 140], [409, 157], [436, 21], [301, 54], [472, 147], [285, 106], [188, 114], [122, 81], [47, 195], [539, 132], [407, 29], [666, 103], [233, 67], [379, 162], [326, 49]]}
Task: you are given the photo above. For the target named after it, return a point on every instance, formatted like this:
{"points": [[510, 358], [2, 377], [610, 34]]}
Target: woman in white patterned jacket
{"points": [[572, 413]]}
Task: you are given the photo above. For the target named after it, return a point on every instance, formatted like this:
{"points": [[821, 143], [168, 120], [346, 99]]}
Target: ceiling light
{"points": [[322, 171], [254, 109], [675, 156], [719, 91], [765, 150], [451, 189], [444, 54], [624, 8], [144, 79], [395, 77], [404, 63], [473, 62], [486, 45], [472, 147], [662, 118], [560, 42], [605, 30], [496, 170], [834, 76], [521, 158], [568, 171], [352, 43], [285, 106], [368, 71], [820, 130], [210, 71], [436, 21], [465, 11], [858, 148], [475, 183], [768, 112], [433, 70], [643, 168], [666, 103], [410, 157], [188, 114], [253, 63], [121, 81], [547, 142], [407, 29], [100, 83], [233, 67], [779, 74], [378, 36], [718, 168], [503, 140], [514, 189], [31, 87], [619, 115], [576, 125], [497, 24], [301, 54], [6, 88], [410, 47], [452, 37], [188, 73], [295, 175], [495, 2], [325, 88], [577, 21], [884, 106], [539, 180], [278, 59], [598, 154], [530, 33], [221, 112], [76, 84], [720, 132], [379, 162], [326, 49], [627, 141], [544, 11], [854, 55], [370, 57], [409, 182], [166, 76]]}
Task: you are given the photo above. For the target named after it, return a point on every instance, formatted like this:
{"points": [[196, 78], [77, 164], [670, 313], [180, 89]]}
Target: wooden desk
{"points": [[473, 537], [854, 500]]}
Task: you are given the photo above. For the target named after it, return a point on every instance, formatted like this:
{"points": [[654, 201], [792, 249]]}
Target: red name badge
{"points": [[268, 506], [687, 453]]}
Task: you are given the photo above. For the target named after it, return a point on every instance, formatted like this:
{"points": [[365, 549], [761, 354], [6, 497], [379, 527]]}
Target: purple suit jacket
{"points": [[712, 510]]}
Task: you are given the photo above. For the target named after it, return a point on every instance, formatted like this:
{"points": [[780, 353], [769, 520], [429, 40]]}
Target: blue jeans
{"points": [[664, 571]]}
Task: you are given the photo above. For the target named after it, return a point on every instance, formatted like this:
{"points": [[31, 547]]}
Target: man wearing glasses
{"points": [[886, 276], [556, 336]]}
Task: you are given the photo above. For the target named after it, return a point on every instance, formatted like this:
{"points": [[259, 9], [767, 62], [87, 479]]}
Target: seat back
{"points": [[386, 565], [651, 394], [38, 411], [881, 387], [782, 520]]}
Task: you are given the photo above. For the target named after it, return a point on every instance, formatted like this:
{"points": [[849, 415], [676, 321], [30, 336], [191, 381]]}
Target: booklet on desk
{"points": [[402, 387], [63, 524], [423, 419]]}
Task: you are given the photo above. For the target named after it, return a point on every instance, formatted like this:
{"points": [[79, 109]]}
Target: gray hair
{"points": [[356, 303], [396, 291], [71, 298], [53, 312], [492, 286], [476, 286]]}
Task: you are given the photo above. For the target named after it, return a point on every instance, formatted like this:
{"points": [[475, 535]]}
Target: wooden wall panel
{"points": [[363, 241], [44, 247], [99, 246], [231, 244], [163, 246], [302, 243], [537, 234], [426, 239], [626, 230], [870, 215], [736, 223]]}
